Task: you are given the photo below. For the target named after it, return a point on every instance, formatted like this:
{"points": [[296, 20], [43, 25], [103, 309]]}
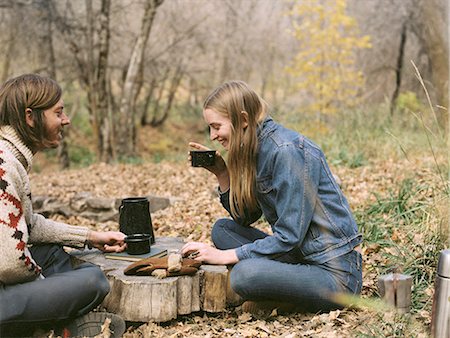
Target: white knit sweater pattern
{"points": [[19, 226]]}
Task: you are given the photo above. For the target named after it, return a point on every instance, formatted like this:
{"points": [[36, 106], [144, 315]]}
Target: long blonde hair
{"points": [[231, 99]]}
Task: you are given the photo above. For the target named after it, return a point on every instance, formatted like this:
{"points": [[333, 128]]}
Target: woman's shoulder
{"points": [[282, 136], [283, 139]]}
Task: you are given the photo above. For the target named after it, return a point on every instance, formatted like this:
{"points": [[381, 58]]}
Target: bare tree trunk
{"points": [[48, 66], [148, 98], [9, 48], [91, 71], [45, 36], [430, 26], [399, 68], [105, 123], [172, 90], [158, 99], [126, 113]]}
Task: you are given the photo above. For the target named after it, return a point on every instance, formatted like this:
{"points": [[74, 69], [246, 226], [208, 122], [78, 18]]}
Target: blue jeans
{"points": [[64, 294], [310, 287]]}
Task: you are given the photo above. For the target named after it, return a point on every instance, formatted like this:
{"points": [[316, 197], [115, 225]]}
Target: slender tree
{"points": [[127, 129], [325, 68], [89, 46]]}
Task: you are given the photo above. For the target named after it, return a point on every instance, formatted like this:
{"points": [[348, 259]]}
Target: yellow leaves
{"points": [[324, 67]]}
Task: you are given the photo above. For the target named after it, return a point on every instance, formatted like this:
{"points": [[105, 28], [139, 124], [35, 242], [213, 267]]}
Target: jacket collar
{"points": [[265, 127]]}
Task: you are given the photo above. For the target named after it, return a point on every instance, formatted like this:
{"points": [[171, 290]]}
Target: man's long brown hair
{"points": [[31, 91], [237, 101]]}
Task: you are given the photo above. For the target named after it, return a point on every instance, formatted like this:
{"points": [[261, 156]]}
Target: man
{"points": [[39, 288]]}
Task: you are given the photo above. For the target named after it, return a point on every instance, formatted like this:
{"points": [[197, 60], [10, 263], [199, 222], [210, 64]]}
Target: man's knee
{"points": [[94, 280]]}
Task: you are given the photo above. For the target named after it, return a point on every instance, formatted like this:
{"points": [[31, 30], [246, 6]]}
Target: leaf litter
{"points": [[195, 207]]}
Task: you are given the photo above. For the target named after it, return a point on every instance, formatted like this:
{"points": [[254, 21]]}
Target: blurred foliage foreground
{"points": [[394, 169]]}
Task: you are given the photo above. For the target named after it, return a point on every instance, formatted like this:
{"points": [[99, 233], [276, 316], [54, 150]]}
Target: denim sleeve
{"points": [[249, 218], [293, 193]]}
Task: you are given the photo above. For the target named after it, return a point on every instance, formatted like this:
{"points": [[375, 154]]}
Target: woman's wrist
{"points": [[230, 256], [224, 181]]}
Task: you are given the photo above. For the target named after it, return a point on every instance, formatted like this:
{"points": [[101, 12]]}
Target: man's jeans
{"points": [[65, 293], [310, 287]]}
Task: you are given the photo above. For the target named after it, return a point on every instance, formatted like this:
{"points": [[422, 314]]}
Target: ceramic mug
{"points": [[203, 158], [138, 244]]}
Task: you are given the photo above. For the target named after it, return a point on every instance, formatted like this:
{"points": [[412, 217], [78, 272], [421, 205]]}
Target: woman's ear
{"points": [[244, 116], [29, 117]]}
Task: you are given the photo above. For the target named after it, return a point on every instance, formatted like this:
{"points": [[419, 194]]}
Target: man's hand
{"points": [[107, 241]]}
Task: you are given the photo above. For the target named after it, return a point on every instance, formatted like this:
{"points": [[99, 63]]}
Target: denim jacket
{"points": [[299, 197]]}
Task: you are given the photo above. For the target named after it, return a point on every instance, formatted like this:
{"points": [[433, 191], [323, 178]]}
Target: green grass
{"points": [[407, 210], [354, 138], [80, 156], [406, 225]]}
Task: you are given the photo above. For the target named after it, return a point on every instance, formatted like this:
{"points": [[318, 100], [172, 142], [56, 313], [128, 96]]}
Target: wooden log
{"points": [[146, 298], [233, 299], [142, 299], [214, 287], [395, 289], [188, 294]]}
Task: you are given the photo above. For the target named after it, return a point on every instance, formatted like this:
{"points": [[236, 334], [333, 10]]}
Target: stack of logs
{"points": [[147, 298]]}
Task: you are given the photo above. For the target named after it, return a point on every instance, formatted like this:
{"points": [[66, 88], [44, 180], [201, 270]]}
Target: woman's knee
{"points": [[218, 231], [244, 276]]}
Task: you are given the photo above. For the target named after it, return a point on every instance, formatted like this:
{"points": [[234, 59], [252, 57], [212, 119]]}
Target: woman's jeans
{"points": [[310, 287], [65, 293]]}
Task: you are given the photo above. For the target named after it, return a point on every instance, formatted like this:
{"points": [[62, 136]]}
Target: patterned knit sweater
{"points": [[19, 226]]}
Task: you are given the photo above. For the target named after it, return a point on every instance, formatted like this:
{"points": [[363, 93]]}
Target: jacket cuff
{"points": [[242, 253]]}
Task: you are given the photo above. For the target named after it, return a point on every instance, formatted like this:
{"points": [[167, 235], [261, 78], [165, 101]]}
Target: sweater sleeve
{"points": [[44, 230], [16, 264]]}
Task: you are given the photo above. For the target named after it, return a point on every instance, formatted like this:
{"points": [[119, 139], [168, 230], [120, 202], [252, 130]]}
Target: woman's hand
{"points": [[208, 254], [219, 168], [107, 241]]}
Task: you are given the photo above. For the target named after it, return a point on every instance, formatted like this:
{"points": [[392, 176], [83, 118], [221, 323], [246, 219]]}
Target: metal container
{"points": [[138, 244], [440, 322], [135, 218]]}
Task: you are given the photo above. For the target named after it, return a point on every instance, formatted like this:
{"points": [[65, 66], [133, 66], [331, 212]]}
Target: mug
{"points": [[138, 244], [202, 158], [135, 218]]}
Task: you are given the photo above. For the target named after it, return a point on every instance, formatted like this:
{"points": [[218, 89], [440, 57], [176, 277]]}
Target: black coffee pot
{"points": [[135, 218]]}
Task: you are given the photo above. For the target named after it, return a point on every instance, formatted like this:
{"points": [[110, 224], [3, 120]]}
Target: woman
{"points": [[272, 171], [38, 285]]}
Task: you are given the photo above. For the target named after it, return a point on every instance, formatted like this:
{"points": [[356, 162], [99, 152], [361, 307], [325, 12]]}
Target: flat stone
{"points": [[100, 203], [100, 209]]}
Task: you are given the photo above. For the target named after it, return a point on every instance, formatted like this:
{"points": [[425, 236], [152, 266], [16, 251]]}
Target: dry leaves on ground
{"points": [[194, 209]]}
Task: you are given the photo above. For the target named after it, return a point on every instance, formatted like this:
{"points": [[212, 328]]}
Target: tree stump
{"points": [[146, 298], [395, 289]]}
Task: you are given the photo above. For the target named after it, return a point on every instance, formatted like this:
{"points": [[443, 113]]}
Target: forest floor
{"points": [[191, 216]]}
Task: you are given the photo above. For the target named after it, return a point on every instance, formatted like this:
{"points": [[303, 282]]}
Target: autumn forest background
{"points": [[366, 80]]}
